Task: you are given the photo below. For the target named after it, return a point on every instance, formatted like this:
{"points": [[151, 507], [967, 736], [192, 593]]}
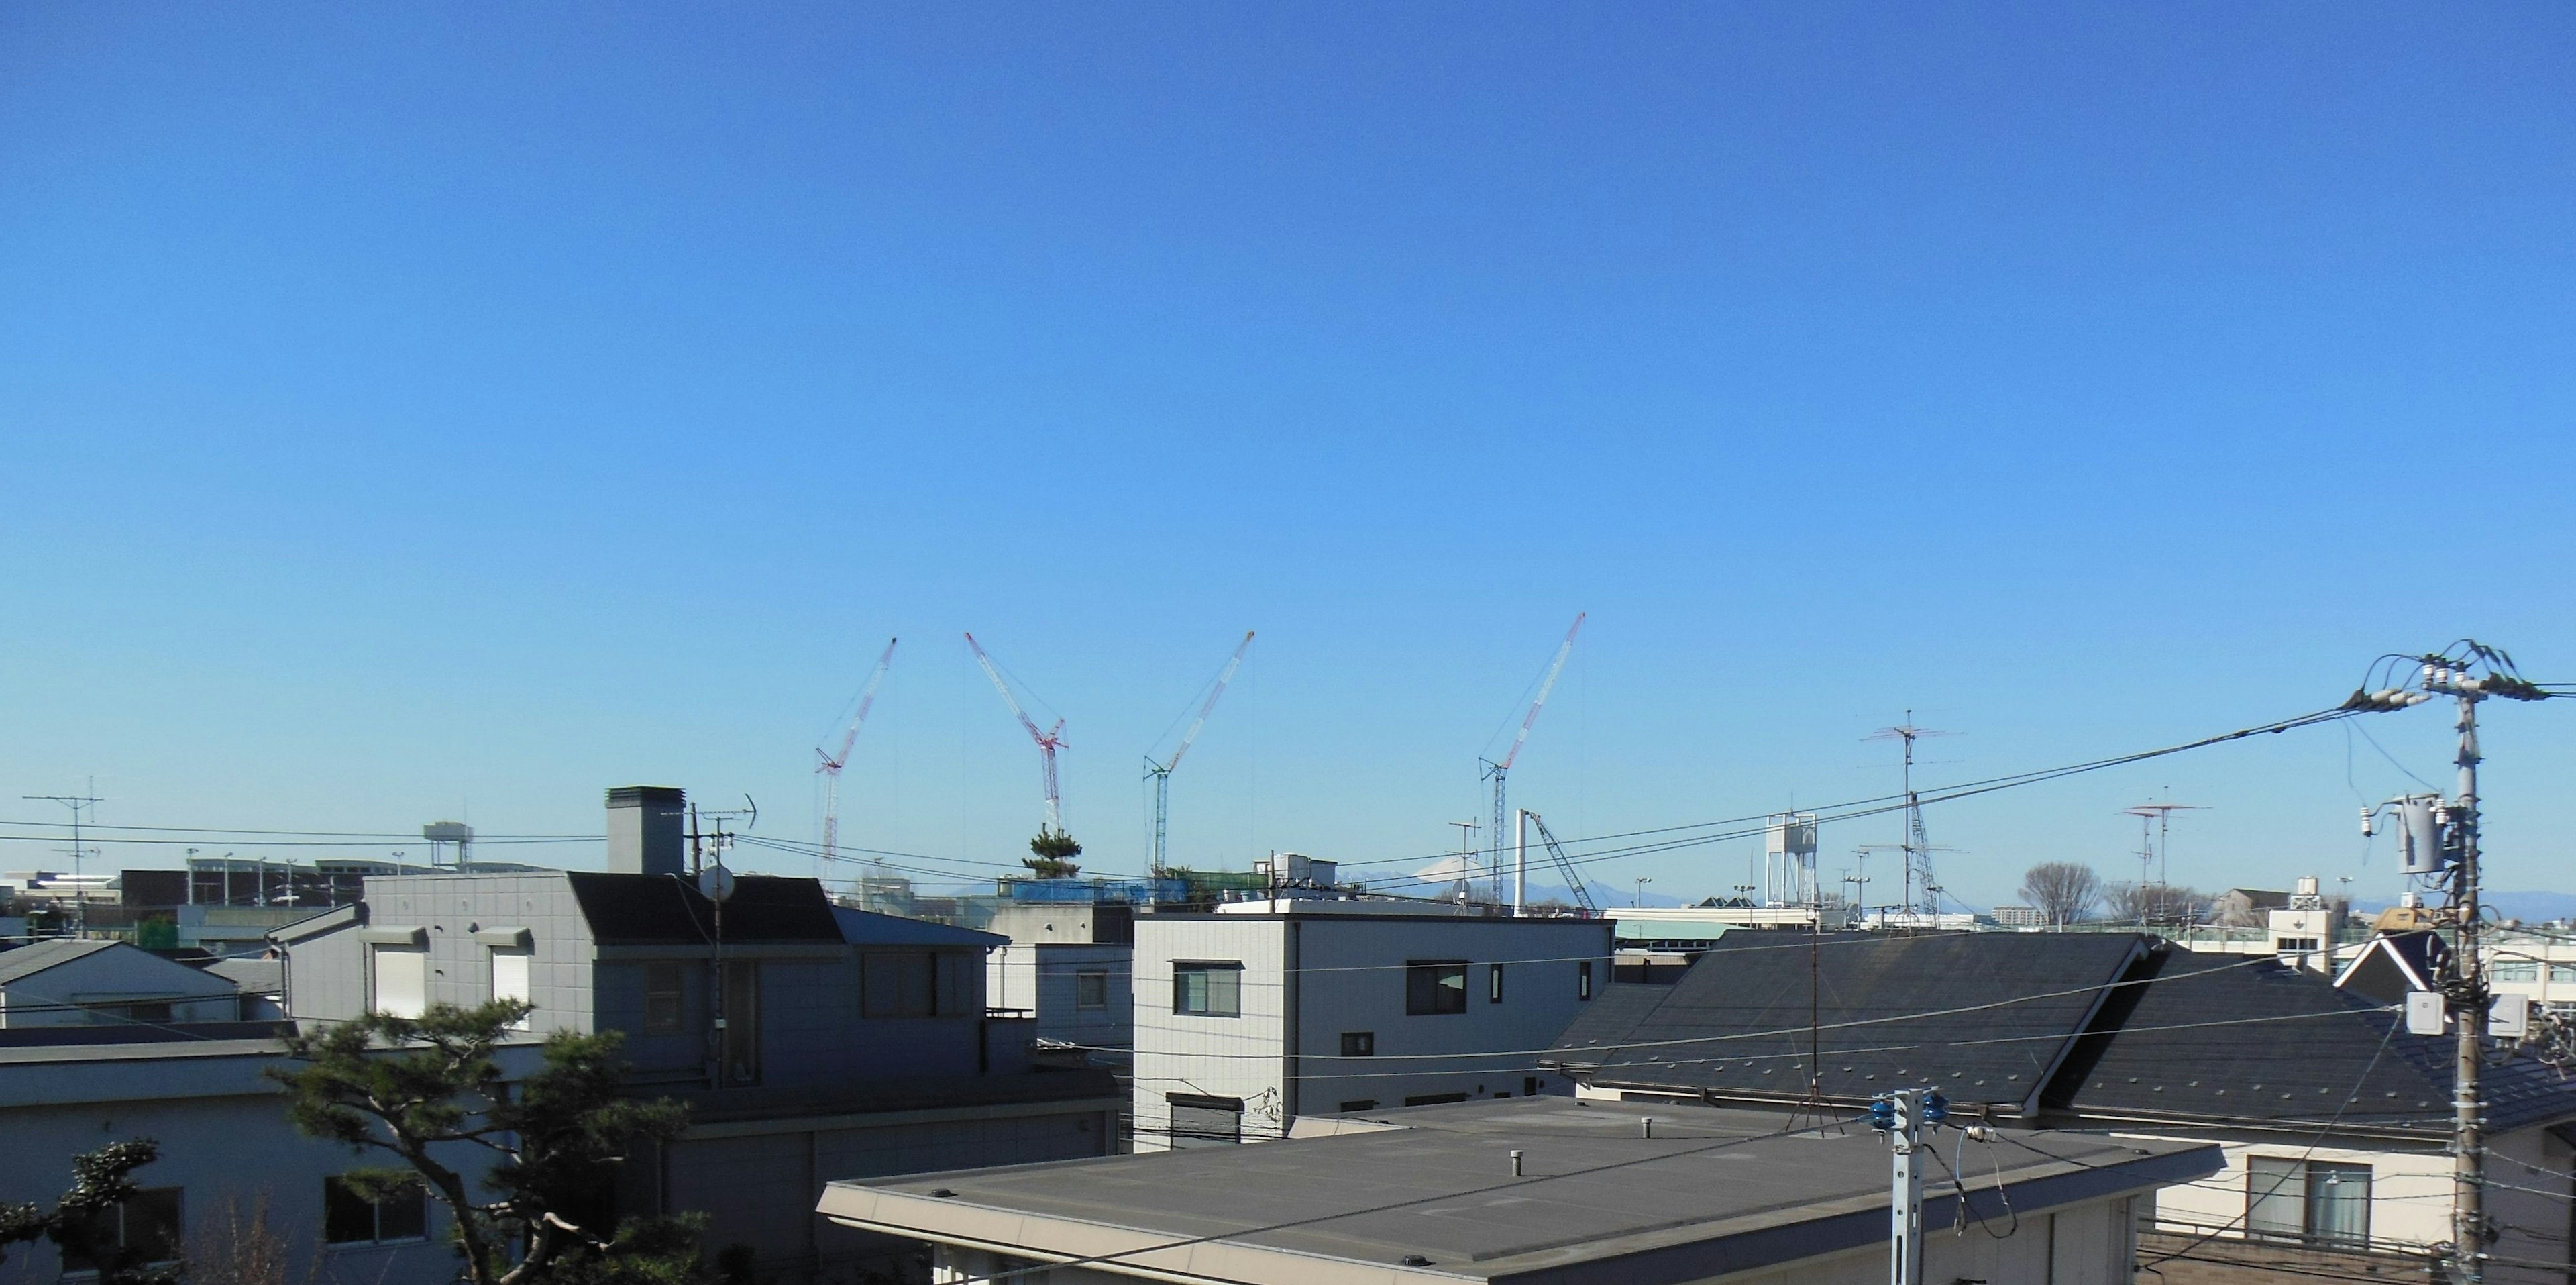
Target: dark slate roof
{"points": [[2395, 963], [659, 910], [1985, 1016], [2294, 1051]]}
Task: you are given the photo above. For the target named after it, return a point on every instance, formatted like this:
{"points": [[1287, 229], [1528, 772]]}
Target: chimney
{"points": [[644, 829]]}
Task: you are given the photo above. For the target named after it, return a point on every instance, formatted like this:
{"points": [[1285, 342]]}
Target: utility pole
{"points": [[1903, 1116], [80, 890], [2478, 672], [1918, 848]]}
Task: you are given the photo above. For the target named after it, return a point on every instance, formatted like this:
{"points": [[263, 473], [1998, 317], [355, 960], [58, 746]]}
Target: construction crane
{"points": [[1048, 741], [1497, 769], [1564, 866], [830, 764], [1161, 773]]}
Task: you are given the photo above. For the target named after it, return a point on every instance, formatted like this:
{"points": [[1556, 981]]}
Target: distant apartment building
{"points": [[1268, 1011]]}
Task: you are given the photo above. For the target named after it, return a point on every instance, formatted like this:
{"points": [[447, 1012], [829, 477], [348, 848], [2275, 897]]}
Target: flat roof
{"points": [[1712, 1191]]}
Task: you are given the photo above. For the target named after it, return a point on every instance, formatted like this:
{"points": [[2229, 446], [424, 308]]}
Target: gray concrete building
{"points": [[1071, 966], [1268, 1011]]}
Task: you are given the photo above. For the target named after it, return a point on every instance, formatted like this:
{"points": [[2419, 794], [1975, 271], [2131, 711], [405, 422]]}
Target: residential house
{"points": [[2334, 1120], [810, 1042], [1529, 1192], [66, 982], [1267, 1011]]}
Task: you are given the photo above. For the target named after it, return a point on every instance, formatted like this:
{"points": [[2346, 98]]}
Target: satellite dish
{"points": [[715, 883]]}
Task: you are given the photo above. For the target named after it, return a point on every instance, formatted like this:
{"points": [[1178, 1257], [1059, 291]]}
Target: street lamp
{"points": [[1639, 901]]}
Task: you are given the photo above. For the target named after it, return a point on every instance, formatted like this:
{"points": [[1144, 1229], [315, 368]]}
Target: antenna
{"points": [[80, 890], [1918, 849], [2155, 824]]}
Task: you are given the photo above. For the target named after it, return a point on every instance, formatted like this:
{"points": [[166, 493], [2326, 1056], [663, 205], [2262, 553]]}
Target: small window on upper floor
{"points": [[1091, 988], [1583, 979], [1208, 989], [1433, 986], [401, 984], [663, 993], [1494, 984], [510, 969]]}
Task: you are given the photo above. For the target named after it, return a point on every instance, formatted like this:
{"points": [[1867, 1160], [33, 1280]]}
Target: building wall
{"points": [[224, 1137], [758, 1182], [1040, 977], [2084, 1244], [1225, 1057], [113, 976], [1351, 976], [2410, 1195], [453, 908]]}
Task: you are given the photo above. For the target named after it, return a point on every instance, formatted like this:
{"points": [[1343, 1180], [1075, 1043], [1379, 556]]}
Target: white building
{"points": [[1248, 1019]]}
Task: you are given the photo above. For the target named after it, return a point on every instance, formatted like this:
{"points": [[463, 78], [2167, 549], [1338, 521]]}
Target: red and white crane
{"points": [[1498, 768], [830, 763], [1048, 741], [1161, 773]]}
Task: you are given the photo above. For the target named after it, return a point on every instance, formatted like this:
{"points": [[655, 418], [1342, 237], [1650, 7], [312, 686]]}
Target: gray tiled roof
{"points": [[27, 961], [1984, 1016], [2294, 1051]]}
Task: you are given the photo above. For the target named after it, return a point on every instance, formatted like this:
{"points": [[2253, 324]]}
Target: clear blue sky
{"points": [[462, 409]]}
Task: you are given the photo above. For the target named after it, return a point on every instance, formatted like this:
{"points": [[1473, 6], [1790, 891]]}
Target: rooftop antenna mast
{"points": [[1161, 773], [1048, 741], [1917, 848], [830, 764], [80, 890], [2155, 823], [1497, 769]]}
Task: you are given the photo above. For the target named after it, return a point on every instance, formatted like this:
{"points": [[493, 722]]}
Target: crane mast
{"points": [[1048, 742], [1496, 770], [830, 763], [1161, 773]]}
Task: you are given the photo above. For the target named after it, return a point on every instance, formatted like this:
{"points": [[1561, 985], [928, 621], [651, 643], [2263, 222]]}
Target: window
{"points": [[349, 1218], [1209, 990], [1494, 984], [402, 981], [510, 979], [1202, 1121], [900, 983], [149, 1010], [2562, 972], [1364, 1104], [1583, 979], [2315, 1200], [662, 991], [1434, 1099], [1433, 986], [2517, 970], [1091, 989], [148, 1226], [1359, 1044], [1529, 1086]]}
